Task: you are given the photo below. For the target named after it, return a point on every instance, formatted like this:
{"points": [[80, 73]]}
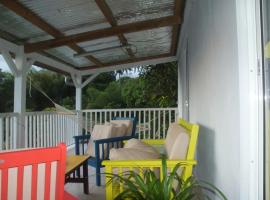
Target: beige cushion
{"points": [[99, 132], [177, 142], [118, 130], [125, 122], [138, 144], [132, 154]]}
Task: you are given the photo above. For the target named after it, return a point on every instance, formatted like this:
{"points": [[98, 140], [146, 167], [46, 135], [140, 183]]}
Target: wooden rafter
{"points": [[105, 9], [128, 61], [178, 9], [107, 32], [33, 18]]}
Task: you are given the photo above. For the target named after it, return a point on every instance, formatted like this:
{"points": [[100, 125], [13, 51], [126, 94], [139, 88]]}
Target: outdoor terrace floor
{"points": [[96, 193]]}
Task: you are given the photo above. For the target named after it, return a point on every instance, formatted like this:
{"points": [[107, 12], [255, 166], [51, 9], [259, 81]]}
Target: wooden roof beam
{"points": [[178, 11], [105, 9], [33, 18], [107, 32]]}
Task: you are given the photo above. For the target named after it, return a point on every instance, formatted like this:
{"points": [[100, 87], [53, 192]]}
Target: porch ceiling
{"points": [[146, 29]]}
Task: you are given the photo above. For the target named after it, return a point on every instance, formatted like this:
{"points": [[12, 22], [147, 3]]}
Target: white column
{"points": [[180, 92], [78, 93], [20, 95], [78, 102]]}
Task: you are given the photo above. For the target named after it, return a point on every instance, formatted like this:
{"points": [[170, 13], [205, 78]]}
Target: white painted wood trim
{"points": [[51, 62], [89, 79], [8, 46], [251, 134], [11, 64], [129, 65]]}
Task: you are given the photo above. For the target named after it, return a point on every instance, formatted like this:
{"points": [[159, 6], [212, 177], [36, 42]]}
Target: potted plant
{"points": [[151, 187]]}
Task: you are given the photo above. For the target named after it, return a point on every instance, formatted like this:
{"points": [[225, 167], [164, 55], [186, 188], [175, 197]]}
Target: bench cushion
{"points": [[132, 154], [138, 144], [124, 122], [99, 132], [177, 142]]}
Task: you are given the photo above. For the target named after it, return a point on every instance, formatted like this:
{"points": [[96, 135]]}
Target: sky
{"points": [[3, 65]]}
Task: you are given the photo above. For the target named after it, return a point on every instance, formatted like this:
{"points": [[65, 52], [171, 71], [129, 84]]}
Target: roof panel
{"points": [[66, 54], [66, 14], [17, 26], [128, 11], [108, 56], [100, 43], [150, 42]]}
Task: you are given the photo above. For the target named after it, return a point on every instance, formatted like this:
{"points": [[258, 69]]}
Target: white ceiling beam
{"points": [[11, 64], [129, 65], [75, 78], [8, 46], [51, 62], [89, 79]]}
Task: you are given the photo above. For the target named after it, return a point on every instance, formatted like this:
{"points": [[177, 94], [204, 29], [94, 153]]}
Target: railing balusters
{"points": [[44, 129]]}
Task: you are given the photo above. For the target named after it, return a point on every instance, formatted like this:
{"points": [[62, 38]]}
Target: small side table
{"points": [[73, 164]]}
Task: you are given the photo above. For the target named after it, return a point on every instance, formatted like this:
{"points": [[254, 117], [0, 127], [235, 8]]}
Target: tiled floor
{"points": [[96, 193]]}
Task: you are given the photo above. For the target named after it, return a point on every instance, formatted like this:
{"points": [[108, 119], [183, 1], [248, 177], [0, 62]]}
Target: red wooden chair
{"points": [[41, 162]]}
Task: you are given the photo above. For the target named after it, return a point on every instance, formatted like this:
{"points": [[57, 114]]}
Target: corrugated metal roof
{"points": [[66, 14], [72, 17], [66, 54], [16, 25], [128, 11], [151, 42], [106, 55]]}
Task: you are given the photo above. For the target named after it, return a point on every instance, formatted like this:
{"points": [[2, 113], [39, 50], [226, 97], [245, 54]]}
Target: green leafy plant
{"points": [[150, 187]]}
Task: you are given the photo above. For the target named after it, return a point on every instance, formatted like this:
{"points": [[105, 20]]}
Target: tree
{"points": [[133, 92], [53, 85], [160, 84], [6, 92]]}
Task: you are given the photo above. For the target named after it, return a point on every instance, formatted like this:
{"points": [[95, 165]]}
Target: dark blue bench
{"points": [[81, 143]]}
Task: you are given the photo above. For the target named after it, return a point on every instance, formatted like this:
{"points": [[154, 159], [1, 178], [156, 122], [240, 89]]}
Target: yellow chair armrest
{"points": [[154, 142], [151, 142], [145, 163]]}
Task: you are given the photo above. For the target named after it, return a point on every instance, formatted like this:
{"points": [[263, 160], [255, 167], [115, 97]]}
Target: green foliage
{"points": [[6, 92], [133, 92], [53, 85], [151, 187], [160, 84], [156, 86]]}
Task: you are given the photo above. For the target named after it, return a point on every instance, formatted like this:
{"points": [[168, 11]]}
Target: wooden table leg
{"points": [[85, 177]]}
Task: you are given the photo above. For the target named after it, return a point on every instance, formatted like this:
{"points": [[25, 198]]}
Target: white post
{"points": [[78, 93], [19, 69], [180, 92], [77, 79]]}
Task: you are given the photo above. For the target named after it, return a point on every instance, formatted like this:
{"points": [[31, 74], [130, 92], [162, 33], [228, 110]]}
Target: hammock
{"points": [[60, 109]]}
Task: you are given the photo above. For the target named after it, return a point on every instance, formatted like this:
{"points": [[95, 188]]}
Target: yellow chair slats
{"points": [[118, 167]]}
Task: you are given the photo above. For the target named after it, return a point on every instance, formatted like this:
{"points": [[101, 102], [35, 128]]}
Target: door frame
{"points": [[251, 99]]}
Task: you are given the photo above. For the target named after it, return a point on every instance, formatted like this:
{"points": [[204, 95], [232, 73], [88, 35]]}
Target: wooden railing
{"points": [[8, 130], [152, 122], [43, 129]]}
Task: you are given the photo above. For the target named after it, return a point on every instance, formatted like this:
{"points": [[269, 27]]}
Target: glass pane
{"points": [[266, 45]]}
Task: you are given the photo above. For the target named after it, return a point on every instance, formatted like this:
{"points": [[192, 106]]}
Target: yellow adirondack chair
{"points": [[112, 188]]}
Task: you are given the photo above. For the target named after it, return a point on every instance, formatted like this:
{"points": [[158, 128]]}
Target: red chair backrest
{"points": [[33, 157]]}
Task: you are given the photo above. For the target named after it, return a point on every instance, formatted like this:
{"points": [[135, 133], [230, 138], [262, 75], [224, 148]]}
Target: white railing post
{"points": [[19, 69]]}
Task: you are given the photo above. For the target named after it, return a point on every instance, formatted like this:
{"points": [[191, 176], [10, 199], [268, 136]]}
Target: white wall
{"points": [[214, 93]]}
